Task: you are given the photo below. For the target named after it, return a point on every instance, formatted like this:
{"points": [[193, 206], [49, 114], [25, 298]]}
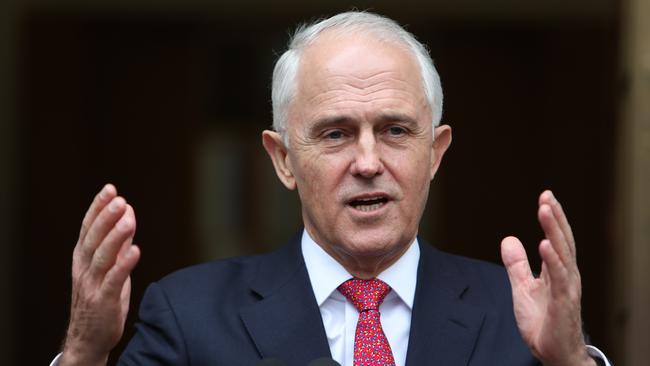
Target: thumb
{"points": [[515, 260]]}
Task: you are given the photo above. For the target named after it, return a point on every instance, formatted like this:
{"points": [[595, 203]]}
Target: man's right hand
{"points": [[101, 287]]}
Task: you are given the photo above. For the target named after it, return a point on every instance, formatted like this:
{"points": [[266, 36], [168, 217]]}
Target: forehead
{"points": [[357, 66]]}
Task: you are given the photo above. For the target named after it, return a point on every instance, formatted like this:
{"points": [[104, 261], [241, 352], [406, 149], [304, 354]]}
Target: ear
{"points": [[278, 153], [441, 141]]}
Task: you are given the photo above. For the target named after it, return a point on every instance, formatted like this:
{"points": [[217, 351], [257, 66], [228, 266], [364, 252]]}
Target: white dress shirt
{"points": [[340, 316]]}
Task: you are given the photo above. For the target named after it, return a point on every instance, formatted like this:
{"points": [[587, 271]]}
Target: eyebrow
{"points": [[397, 116], [329, 121]]}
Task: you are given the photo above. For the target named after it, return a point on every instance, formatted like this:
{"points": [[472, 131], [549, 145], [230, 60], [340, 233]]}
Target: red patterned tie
{"points": [[371, 347]]}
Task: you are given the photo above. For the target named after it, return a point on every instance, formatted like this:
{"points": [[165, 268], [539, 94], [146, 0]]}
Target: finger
{"points": [[106, 254], [118, 274], [127, 243], [556, 271], [544, 274], [105, 195], [554, 233], [560, 216], [101, 226], [125, 294], [515, 260]]}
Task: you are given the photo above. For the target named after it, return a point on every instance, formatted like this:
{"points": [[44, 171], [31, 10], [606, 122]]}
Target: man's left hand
{"points": [[547, 309]]}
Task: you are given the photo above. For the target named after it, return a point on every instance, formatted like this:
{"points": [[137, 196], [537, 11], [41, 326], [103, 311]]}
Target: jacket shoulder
{"points": [[487, 282], [204, 281]]}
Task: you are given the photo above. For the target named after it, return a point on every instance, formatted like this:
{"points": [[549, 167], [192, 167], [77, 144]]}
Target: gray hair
{"points": [[285, 81]]}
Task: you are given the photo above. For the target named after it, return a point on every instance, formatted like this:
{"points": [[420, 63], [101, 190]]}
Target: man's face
{"points": [[361, 149]]}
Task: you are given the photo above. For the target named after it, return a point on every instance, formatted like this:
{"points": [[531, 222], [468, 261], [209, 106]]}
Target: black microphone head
{"points": [[324, 361], [271, 362]]}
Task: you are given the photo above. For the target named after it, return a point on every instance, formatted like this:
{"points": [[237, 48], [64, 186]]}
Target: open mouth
{"points": [[368, 204]]}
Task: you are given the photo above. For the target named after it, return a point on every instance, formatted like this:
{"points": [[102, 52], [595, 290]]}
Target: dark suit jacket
{"points": [[237, 311]]}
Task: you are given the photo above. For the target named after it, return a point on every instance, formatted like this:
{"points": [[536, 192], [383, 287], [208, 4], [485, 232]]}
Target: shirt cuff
{"points": [[55, 361], [594, 352]]}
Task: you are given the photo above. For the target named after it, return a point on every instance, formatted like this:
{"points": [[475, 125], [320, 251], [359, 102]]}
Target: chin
{"points": [[374, 244]]}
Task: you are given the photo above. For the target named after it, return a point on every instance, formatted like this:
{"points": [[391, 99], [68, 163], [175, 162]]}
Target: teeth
{"points": [[367, 199], [368, 208]]}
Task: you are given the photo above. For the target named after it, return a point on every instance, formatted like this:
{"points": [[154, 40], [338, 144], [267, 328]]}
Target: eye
{"points": [[396, 131], [334, 135]]}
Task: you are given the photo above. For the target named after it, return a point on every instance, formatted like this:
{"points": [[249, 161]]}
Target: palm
{"points": [[125, 297], [547, 308], [101, 286], [531, 306]]}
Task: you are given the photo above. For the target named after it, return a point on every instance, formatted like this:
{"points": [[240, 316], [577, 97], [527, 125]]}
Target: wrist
{"points": [[74, 357], [585, 359], [580, 359]]}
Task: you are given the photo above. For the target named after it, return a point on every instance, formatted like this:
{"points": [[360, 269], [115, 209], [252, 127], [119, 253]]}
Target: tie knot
{"points": [[365, 294]]}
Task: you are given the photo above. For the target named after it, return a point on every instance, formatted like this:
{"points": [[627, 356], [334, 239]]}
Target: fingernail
{"points": [[123, 224], [102, 193], [130, 252], [115, 205], [107, 190]]}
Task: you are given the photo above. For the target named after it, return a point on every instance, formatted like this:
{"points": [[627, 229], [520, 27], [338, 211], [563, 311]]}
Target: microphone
{"points": [[324, 361], [271, 362]]}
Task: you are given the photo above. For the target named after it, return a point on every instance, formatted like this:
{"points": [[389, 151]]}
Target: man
{"points": [[357, 105]]}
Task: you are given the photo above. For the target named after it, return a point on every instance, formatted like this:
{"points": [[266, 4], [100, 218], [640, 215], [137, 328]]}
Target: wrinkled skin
{"points": [[101, 287], [360, 129], [547, 308]]}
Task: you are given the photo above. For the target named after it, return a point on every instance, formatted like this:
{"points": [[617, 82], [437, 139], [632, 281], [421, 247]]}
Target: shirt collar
{"points": [[326, 274]]}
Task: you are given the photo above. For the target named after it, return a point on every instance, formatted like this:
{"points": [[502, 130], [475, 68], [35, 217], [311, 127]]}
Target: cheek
{"points": [[413, 173], [318, 178]]}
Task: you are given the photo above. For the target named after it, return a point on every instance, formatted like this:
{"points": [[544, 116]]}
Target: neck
{"points": [[366, 266]]}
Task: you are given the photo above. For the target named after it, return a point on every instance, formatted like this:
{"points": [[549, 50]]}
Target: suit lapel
{"points": [[286, 322], [444, 328]]}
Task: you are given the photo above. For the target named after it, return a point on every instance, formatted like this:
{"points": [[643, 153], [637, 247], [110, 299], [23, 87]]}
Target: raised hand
{"points": [[547, 308], [102, 261]]}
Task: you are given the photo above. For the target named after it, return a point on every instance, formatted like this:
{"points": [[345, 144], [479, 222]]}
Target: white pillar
{"points": [[631, 323]]}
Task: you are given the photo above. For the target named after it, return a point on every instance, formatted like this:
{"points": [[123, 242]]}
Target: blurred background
{"points": [[167, 100]]}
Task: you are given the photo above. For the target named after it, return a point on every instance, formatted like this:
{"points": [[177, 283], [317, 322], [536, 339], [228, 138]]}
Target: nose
{"points": [[367, 160]]}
